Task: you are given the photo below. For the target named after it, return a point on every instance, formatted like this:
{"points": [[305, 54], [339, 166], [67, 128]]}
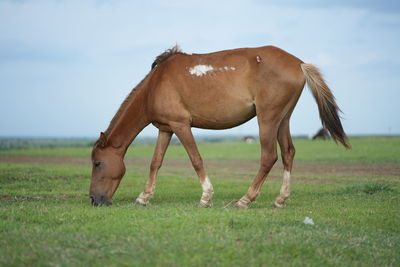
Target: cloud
{"points": [[81, 58]]}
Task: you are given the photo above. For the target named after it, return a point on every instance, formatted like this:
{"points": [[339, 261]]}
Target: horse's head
{"points": [[107, 172]]}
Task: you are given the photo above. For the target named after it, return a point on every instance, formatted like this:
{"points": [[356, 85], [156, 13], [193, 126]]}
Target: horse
{"points": [[321, 134], [218, 90]]}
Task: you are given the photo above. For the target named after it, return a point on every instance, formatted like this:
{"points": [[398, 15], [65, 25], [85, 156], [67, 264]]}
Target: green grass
{"points": [[363, 150], [46, 219]]}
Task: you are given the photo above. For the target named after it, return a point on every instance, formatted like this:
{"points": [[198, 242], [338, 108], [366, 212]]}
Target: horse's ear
{"points": [[102, 140]]}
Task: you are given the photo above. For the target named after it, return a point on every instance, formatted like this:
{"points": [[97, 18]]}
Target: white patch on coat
{"points": [[208, 191], [206, 185], [285, 189], [226, 68], [200, 70], [258, 58]]}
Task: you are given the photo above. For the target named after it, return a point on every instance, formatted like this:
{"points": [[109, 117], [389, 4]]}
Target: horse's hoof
{"points": [[278, 205], [240, 206], [204, 204], [139, 202]]}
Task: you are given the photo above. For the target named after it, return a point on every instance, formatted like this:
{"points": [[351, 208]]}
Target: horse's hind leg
{"points": [[184, 133], [287, 152], [162, 144], [268, 125]]}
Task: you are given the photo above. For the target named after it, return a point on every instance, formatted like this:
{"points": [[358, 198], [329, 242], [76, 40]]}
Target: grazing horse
{"points": [[219, 90], [321, 134]]}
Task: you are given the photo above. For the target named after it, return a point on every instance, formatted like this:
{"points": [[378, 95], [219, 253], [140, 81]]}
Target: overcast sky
{"points": [[66, 66]]}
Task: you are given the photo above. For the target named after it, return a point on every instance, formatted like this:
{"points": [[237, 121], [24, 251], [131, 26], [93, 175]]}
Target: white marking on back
{"points": [[226, 68], [200, 70]]}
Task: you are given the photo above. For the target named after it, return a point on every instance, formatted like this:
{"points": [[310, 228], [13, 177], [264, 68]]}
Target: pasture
{"points": [[352, 196]]}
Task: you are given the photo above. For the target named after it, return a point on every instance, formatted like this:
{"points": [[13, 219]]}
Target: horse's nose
{"points": [[92, 200], [100, 200]]}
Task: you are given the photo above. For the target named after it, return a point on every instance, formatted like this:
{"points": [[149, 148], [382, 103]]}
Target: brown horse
{"points": [[212, 91]]}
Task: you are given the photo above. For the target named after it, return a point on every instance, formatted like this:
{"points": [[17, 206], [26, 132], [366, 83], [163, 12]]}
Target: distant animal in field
{"points": [[249, 139], [219, 90], [321, 134]]}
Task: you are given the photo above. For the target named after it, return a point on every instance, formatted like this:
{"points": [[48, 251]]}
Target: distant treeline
{"points": [[25, 143], [9, 143]]}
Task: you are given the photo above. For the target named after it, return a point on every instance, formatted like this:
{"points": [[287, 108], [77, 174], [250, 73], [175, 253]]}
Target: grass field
{"points": [[352, 196]]}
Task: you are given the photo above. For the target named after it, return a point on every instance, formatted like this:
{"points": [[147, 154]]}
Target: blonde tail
{"points": [[328, 109]]}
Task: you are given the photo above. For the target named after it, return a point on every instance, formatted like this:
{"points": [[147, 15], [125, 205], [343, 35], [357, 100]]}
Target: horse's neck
{"points": [[131, 120]]}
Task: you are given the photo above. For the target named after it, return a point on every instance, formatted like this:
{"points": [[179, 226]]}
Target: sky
{"points": [[66, 66]]}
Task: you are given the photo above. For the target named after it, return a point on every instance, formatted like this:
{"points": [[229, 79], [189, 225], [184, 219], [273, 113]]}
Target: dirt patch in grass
{"points": [[223, 168], [19, 198], [45, 159], [250, 167]]}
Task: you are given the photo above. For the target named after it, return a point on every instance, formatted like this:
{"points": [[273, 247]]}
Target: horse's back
{"points": [[219, 90]]}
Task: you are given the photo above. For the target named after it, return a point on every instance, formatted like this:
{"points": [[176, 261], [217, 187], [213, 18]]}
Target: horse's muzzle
{"points": [[100, 200]]}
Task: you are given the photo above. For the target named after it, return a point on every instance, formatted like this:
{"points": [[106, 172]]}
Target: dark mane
{"points": [[165, 55], [124, 106], [160, 58]]}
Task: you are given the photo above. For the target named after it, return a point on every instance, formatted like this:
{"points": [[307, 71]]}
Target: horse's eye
{"points": [[97, 163]]}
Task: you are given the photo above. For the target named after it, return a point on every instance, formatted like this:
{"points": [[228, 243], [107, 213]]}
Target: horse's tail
{"points": [[328, 109]]}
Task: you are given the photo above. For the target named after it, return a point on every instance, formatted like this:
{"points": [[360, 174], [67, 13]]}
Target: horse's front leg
{"points": [[184, 133], [162, 144]]}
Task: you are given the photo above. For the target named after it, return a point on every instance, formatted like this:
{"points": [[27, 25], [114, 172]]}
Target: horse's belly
{"points": [[223, 116]]}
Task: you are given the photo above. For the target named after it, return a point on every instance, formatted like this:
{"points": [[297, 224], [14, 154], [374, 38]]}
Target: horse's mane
{"points": [[124, 105], [165, 55], [159, 59]]}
